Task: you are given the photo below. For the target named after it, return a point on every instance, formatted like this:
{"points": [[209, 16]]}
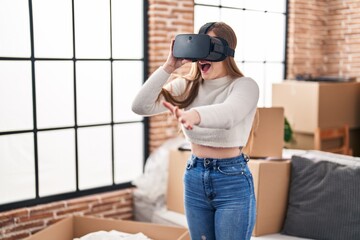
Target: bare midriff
{"points": [[214, 152]]}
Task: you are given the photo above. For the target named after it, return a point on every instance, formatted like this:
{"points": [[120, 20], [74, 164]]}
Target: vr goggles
{"points": [[201, 46]]}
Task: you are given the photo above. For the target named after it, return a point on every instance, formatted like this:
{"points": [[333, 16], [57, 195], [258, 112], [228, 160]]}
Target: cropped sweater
{"points": [[226, 107]]}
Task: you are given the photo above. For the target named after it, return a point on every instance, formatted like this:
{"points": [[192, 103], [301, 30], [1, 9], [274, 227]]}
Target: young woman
{"points": [[215, 105]]}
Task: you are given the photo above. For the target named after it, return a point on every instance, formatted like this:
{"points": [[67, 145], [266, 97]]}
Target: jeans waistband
{"points": [[216, 162]]}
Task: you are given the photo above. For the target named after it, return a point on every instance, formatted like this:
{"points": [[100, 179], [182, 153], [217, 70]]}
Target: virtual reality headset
{"points": [[201, 46]]}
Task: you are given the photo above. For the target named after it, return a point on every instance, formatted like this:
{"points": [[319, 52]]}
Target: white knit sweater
{"points": [[226, 107]]}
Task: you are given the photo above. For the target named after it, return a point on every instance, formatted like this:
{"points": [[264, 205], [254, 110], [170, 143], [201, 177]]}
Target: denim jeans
{"points": [[219, 198]]}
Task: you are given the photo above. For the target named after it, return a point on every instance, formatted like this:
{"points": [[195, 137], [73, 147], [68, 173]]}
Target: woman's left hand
{"points": [[187, 118]]}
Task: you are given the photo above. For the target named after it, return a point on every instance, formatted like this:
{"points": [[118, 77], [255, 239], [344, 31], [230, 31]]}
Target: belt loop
{"points": [[192, 161]]}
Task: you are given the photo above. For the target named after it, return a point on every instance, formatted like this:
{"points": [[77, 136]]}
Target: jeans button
{"points": [[206, 162]]}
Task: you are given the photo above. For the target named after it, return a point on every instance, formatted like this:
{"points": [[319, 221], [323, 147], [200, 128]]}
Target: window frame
{"points": [[145, 122]]}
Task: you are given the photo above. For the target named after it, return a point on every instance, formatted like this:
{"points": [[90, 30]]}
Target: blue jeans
{"points": [[219, 198]]}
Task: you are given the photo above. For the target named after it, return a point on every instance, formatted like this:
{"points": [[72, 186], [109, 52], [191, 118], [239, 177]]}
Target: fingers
{"points": [[188, 126], [184, 61], [169, 106], [178, 115], [173, 109], [176, 112], [172, 44]]}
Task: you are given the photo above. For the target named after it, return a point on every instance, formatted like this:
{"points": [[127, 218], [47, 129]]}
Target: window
{"points": [[260, 27], [68, 73]]}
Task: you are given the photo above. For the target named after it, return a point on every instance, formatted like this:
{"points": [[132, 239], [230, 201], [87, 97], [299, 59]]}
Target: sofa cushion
{"points": [[324, 197]]}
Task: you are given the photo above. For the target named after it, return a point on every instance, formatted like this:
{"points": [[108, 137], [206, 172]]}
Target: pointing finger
{"points": [[168, 106]]}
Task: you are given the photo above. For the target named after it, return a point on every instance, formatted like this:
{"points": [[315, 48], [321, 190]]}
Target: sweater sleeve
{"points": [[145, 101], [242, 99]]}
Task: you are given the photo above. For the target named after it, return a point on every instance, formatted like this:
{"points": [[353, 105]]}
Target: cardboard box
{"points": [[175, 189], [268, 138], [76, 226], [304, 141], [309, 105], [271, 184]]}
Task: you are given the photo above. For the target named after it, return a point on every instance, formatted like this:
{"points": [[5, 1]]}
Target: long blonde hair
{"points": [[194, 78]]}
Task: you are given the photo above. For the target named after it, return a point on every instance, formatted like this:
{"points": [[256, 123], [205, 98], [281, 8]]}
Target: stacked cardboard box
{"points": [[309, 105]]}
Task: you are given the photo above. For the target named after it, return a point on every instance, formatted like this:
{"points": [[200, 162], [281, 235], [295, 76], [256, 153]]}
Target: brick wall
{"points": [[324, 38], [342, 44], [21, 223], [306, 34], [167, 18]]}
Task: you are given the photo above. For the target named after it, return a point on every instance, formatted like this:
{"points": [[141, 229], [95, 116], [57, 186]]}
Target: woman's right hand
{"points": [[187, 118], [172, 63]]}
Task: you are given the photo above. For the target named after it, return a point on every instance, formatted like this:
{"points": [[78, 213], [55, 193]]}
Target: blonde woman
{"points": [[215, 105]]}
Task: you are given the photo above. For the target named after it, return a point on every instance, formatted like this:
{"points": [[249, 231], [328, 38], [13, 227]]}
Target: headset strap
{"points": [[205, 28], [230, 52], [224, 48], [227, 50]]}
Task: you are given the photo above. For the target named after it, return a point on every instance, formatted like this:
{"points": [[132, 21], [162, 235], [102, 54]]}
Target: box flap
{"points": [[62, 230], [85, 225], [78, 226]]}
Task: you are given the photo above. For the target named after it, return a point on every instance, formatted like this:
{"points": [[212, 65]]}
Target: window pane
{"points": [[233, 3], [203, 15], [128, 79], [241, 67], [15, 96], [92, 29], [256, 72], [260, 31], [17, 168], [235, 19], [93, 92], [275, 36], [254, 37], [255, 4], [54, 93], [274, 73], [94, 144], [266, 5], [127, 39], [129, 156], [275, 6], [56, 162], [80, 73], [53, 28], [14, 28]]}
